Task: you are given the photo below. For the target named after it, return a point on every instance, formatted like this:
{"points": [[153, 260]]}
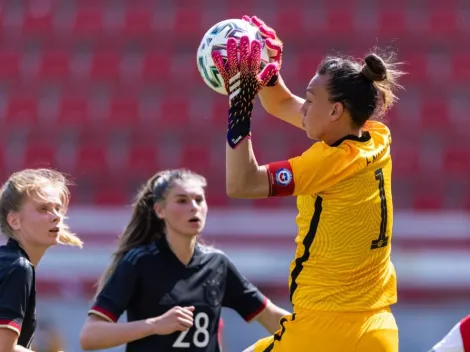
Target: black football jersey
{"points": [[150, 280], [17, 292]]}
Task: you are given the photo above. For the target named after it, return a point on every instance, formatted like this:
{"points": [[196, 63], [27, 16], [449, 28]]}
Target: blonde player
{"points": [[342, 281]]}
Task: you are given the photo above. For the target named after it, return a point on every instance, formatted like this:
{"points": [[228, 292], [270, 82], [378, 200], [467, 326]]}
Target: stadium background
{"points": [[108, 92]]}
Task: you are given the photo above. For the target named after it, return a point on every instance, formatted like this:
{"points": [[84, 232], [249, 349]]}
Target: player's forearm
{"points": [[281, 103], [270, 317], [241, 167], [97, 335]]}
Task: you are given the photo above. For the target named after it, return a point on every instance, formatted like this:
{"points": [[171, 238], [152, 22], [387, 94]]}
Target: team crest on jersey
{"points": [[212, 289], [283, 177]]}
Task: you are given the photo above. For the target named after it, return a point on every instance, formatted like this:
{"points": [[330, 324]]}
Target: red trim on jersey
{"points": [[281, 179], [10, 323], [465, 332], [219, 334], [253, 315], [104, 312]]}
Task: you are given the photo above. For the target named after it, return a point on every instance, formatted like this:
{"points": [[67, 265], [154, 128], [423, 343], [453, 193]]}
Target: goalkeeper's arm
{"points": [[281, 103]]}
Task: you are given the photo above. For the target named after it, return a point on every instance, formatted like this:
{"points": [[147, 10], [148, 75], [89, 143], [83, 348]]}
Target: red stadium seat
{"points": [[22, 110], [143, 159], [115, 194], [124, 112], [416, 67], [339, 22], [442, 22], [392, 22], [88, 21], [40, 154], [9, 64], [174, 112], [460, 67], [156, 66], [435, 114], [105, 65], [73, 111], [289, 22], [92, 160], [55, 65], [138, 21], [196, 158], [406, 160], [38, 18], [187, 24], [457, 161]]}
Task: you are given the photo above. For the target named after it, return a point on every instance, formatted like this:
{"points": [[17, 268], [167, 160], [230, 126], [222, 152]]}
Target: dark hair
{"points": [[364, 90], [145, 227]]}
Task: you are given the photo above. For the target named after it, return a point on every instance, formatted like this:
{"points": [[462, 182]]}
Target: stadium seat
{"points": [[174, 112], [88, 21], [392, 22], [38, 19], [73, 111], [142, 159], [138, 21], [40, 154], [9, 64], [105, 65], [123, 112], [457, 161], [92, 160], [22, 110], [156, 66], [55, 65]]}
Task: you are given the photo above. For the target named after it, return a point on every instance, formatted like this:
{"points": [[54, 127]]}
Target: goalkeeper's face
{"points": [[319, 113]]}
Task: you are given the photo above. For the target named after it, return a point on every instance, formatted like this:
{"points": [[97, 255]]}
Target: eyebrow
{"points": [[187, 195]]}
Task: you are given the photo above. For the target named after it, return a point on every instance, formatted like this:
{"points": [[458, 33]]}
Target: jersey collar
{"points": [[14, 244], [365, 137], [194, 263]]}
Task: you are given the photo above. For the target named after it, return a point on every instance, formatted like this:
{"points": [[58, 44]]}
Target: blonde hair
{"points": [[145, 227], [22, 185]]}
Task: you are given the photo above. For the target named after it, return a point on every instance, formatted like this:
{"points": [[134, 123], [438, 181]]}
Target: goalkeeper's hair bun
{"points": [[366, 89], [374, 69]]}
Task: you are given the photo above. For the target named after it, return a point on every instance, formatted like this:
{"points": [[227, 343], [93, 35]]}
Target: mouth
{"points": [[194, 220], [54, 229]]}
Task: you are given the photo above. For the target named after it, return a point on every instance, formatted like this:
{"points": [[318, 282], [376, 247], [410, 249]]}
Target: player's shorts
{"points": [[316, 331]]}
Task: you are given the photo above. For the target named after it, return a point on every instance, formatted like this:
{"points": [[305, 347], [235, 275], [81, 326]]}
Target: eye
{"points": [[181, 201], [199, 200]]}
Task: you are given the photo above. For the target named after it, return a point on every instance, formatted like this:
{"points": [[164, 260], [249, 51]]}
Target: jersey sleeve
{"points": [[116, 294], [241, 295], [317, 169], [14, 296]]}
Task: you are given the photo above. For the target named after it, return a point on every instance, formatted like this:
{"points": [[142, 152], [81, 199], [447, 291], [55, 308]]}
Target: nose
{"points": [[55, 215], [303, 109]]}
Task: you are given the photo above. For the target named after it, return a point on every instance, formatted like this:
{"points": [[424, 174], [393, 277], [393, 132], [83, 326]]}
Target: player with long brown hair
{"points": [[172, 286]]}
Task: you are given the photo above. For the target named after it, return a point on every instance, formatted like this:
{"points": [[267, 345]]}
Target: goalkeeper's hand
{"points": [[243, 80], [273, 43]]}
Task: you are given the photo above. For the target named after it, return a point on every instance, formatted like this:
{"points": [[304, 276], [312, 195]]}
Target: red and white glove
{"points": [[273, 43], [243, 80]]}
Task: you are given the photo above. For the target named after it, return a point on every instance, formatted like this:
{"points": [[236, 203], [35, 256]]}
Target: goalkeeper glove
{"points": [[273, 43], [243, 80]]}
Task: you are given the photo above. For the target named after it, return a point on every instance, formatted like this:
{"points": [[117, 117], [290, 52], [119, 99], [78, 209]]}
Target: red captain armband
{"points": [[281, 179]]}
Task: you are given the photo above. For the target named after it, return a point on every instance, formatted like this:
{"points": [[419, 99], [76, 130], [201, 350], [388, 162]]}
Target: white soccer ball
{"points": [[216, 39]]}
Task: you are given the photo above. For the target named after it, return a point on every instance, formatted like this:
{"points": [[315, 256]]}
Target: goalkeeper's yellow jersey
{"points": [[345, 217]]}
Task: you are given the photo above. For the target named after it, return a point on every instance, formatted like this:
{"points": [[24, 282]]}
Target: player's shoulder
{"points": [[211, 253], [12, 262], [138, 253]]}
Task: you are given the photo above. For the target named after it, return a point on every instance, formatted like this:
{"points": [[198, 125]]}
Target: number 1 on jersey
{"points": [[382, 241]]}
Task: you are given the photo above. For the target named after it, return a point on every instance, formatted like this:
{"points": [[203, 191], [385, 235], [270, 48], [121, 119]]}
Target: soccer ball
{"points": [[216, 39]]}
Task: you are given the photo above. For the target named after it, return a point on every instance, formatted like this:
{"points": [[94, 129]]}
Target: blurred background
{"points": [[108, 91]]}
